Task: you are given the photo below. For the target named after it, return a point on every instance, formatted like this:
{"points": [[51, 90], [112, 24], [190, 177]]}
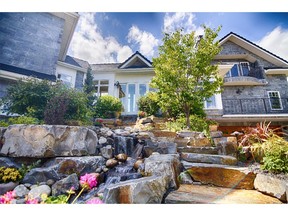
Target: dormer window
{"points": [[239, 69]]}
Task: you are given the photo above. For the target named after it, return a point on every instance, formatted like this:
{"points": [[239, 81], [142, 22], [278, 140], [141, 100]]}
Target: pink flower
{"points": [[32, 201], [7, 197], [95, 201], [88, 181]]}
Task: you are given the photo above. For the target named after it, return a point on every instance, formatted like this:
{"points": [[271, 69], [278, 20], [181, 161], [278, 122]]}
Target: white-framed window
{"points": [[210, 103], [101, 87], [275, 100], [65, 79], [239, 69]]}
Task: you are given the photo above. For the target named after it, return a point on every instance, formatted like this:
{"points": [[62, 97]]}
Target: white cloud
{"points": [[276, 41], [174, 21], [89, 44], [146, 41]]}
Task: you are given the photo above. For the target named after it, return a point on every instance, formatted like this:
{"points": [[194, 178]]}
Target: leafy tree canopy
{"points": [[184, 73]]}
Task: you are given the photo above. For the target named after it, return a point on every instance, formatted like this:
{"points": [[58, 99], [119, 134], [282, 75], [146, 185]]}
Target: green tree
{"points": [[89, 88], [28, 97], [184, 73]]}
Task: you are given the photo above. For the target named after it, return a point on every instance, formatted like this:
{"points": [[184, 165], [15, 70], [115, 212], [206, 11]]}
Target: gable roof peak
{"points": [[137, 54]]}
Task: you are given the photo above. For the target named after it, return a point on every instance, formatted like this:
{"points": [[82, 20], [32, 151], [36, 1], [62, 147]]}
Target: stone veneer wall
{"points": [[31, 40]]}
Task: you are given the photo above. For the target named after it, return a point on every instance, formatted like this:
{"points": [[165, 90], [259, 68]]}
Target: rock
{"points": [[221, 175], [164, 165], [42, 174], [203, 194], [207, 158], [107, 152], [2, 139], [198, 150], [38, 191], [8, 162], [60, 187], [164, 133], [182, 142], [138, 164], [271, 185], [129, 129], [200, 142], [121, 157], [21, 201], [227, 148], [161, 147], [44, 141], [225, 140], [140, 191], [216, 134], [102, 140], [287, 192], [28, 185], [193, 134], [78, 165], [5, 187], [50, 182], [21, 191], [123, 144], [111, 163], [145, 120], [106, 132], [185, 178]]}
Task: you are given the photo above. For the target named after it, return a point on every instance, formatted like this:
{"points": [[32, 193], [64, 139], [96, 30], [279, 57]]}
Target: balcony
{"points": [[253, 106], [243, 81]]}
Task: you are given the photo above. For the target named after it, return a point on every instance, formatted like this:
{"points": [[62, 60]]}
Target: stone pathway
{"points": [[203, 194]]}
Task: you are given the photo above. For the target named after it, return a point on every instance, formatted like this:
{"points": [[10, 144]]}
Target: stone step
{"points": [[198, 150], [203, 194], [209, 158], [221, 175]]}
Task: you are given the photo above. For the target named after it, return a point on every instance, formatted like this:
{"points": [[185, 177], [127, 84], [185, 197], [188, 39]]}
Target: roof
{"points": [[105, 67], [82, 63], [252, 46], [26, 72], [143, 58], [70, 60]]}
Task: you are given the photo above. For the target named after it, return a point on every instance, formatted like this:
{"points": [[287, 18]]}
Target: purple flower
{"points": [[7, 197], [88, 181]]}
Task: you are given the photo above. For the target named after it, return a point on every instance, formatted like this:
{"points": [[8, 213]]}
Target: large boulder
{"points": [[160, 147], [140, 191], [2, 131], [44, 141], [164, 165], [8, 162], [37, 192], [21, 191], [221, 175], [271, 185]]}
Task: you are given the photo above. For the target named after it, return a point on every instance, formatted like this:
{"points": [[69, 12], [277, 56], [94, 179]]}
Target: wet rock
{"points": [[121, 157], [107, 152], [203, 194], [60, 187], [207, 158], [138, 164], [8, 162], [161, 147], [164, 165], [21, 191], [123, 144], [185, 178], [38, 191], [140, 191], [221, 175], [102, 140], [44, 141], [5, 187], [111, 163], [271, 185]]}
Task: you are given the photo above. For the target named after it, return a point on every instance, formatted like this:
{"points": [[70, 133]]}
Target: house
{"points": [[36, 44], [255, 84]]}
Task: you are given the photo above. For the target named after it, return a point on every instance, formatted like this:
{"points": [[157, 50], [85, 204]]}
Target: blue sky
{"points": [[104, 37]]}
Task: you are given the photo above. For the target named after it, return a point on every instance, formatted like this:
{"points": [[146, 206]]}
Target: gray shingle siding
{"points": [[31, 41]]}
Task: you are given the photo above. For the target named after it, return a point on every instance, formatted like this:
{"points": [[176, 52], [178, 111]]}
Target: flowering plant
{"points": [[98, 122], [7, 198], [95, 200]]}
